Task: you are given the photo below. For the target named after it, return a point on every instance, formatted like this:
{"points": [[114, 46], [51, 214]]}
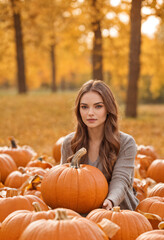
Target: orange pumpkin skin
{"points": [[72, 229], [16, 222], [157, 190], [11, 204], [81, 189], [152, 235], [156, 170], [131, 223], [39, 163], [153, 205], [7, 165], [16, 178], [56, 151], [20, 154]]}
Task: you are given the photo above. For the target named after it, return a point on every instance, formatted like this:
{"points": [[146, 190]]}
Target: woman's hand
{"points": [[107, 204]]}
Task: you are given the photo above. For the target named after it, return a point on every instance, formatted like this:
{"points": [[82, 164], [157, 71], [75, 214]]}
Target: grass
{"points": [[39, 119]]}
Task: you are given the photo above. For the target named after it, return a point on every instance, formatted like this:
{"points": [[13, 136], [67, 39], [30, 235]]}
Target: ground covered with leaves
{"points": [[39, 119]]}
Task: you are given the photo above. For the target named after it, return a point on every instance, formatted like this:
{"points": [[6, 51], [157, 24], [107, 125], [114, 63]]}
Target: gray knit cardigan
{"points": [[121, 191]]}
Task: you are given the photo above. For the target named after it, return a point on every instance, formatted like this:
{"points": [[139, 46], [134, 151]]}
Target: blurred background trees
{"points": [[59, 44]]}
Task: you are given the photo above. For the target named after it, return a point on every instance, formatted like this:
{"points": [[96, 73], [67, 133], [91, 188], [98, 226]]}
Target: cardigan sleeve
{"points": [[66, 148], [123, 172]]}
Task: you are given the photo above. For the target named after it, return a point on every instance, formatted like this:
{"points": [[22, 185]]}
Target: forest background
{"points": [[50, 48]]}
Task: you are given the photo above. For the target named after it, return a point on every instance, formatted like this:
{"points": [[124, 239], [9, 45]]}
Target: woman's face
{"points": [[92, 110]]}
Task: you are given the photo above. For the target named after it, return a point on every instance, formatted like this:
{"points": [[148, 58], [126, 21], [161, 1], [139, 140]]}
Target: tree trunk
{"points": [[53, 62], [97, 58], [21, 77], [134, 59]]}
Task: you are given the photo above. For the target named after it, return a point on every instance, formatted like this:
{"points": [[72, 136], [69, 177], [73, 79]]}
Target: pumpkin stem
{"points": [[109, 227], [41, 158], [13, 142], [37, 207], [60, 214], [11, 192], [21, 169], [116, 209], [77, 156]]}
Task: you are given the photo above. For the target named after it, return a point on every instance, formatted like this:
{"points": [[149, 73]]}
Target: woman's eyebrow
{"points": [[94, 103]]}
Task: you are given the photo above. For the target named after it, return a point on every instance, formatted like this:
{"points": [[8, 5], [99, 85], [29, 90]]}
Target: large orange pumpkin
{"points": [[62, 227], [131, 223], [11, 204], [7, 165], [16, 222], [56, 151], [20, 154], [156, 170], [152, 235], [77, 187]]}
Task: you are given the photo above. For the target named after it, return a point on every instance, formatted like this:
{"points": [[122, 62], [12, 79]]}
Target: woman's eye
{"points": [[84, 107], [98, 106]]}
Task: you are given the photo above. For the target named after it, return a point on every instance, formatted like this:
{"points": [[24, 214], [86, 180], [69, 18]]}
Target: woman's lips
{"points": [[91, 120]]}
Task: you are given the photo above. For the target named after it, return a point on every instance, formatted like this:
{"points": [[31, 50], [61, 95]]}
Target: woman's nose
{"points": [[90, 112]]}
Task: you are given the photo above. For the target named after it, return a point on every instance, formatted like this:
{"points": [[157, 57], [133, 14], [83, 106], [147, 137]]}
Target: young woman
{"points": [[108, 149]]}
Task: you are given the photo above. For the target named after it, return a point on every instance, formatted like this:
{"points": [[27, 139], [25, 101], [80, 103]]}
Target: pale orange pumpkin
{"points": [[39, 162], [152, 235], [77, 187]]}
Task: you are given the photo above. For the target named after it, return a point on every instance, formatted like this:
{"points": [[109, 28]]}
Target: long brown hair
{"points": [[110, 144]]}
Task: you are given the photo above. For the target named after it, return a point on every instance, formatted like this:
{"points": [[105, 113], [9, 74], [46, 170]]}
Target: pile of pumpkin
{"points": [[41, 200]]}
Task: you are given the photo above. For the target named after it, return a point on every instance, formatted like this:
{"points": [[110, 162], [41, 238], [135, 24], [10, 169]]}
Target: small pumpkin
{"points": [[156, 170], [63, 227], [79, 187], [131, 223], [157, 190], [7, 165], [40, 162], [20, 154], [56, 151], [16, 178]]}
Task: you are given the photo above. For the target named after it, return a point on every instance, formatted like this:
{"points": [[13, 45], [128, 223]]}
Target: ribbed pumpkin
{"points": [[131, 223], [152, 235], [153, 205], [7, 165], [16, 222], [39, 162], [62, 227], [157, 190], [11, 204], [77, 187], [156, 170], [16, 178], [56, 151], [20, 154]]}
